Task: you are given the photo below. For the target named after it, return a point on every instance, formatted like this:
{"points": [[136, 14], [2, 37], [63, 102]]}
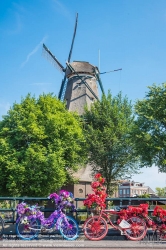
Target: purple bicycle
{"points": [[31, 220]]}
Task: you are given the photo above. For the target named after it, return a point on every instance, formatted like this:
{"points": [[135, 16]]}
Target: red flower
{"points": [[97, 200], [102, 180], [160, 212], [97, 176], [142, 209], [96, 184]]}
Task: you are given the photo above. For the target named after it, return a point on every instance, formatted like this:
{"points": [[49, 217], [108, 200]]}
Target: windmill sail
{"points": [[62, 89], [75, 28], [53, 59], [63, 84]]}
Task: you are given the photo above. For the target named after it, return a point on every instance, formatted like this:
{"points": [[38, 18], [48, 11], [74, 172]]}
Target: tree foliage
{"points": [[40, 147], [161, 192], [150, 128], [107, 131]]}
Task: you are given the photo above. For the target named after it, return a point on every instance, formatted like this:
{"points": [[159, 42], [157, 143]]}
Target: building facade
{"points": [[133, 189]]}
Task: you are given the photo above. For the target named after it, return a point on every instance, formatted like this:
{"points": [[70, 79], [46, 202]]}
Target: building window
{"points": [[80, 190], [124, 191], [120, 191], [128, 191]]}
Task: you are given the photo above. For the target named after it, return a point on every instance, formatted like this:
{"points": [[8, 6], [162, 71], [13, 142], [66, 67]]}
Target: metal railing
{"points": [[121, 202], [9, 214]]}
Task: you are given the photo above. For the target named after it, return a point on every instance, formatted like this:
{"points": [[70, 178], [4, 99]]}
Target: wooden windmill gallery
{"points": [[79, 87]]}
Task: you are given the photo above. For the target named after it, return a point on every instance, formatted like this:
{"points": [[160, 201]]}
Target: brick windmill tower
{"points": [[79, 86]]}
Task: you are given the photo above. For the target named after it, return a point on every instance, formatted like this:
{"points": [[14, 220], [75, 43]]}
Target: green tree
{"points": [[161, 191], [40, 147], [107, 131], [150, 128]]}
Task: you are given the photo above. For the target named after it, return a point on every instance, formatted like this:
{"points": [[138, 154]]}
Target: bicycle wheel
{"points": [[1, 226], [95, 228], [137, 230], [68, 228], [27, 229]]}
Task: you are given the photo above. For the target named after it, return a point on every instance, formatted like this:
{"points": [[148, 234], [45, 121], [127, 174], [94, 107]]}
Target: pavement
{"points": [[81, 244]]}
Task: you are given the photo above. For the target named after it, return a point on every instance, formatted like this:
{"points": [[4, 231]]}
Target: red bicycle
{"points": [[96, 227]]}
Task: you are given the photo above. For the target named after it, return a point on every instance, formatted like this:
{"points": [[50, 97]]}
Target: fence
{"points": [[8, 205]]}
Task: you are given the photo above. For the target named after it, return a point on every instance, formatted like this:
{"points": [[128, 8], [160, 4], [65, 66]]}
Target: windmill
{"points": [[79, 86]]}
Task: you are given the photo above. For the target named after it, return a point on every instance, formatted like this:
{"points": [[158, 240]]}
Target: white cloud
{"points": [[62, 9], [33, 51], [17, 25], [15, 14]]}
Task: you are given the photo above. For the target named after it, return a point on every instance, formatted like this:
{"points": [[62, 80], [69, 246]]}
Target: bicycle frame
{"points": [[96, 226], [52, 220], [105, 214], [32, 222]]}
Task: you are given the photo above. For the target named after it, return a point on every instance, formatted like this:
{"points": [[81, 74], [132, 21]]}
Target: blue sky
{"points": [[128, 34]]}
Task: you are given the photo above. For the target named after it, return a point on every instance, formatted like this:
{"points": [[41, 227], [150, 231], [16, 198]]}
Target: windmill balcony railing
{"points": [[9, 214]]}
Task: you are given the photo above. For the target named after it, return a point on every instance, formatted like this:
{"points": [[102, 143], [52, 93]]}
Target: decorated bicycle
{"points": [[126, 220], [31, 220]]}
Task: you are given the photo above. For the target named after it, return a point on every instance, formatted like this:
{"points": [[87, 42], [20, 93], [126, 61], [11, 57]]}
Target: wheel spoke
{"points": [[95, 228], [68, 228], [27, 230], [137, 229]]}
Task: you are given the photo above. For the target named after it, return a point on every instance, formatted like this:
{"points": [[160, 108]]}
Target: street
{"points": [[85, 244]]}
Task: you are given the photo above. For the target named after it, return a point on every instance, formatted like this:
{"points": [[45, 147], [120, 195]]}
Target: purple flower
{"points": [[64, 200]]}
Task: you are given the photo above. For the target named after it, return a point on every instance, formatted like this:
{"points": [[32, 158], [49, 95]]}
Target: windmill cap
{"points": [[81, 67]]}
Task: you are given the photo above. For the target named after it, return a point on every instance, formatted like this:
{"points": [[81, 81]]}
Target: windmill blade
{"points": [[75, 28], [99, 80], [110, 71], [62, 89], [53, 59], [97, 73]]}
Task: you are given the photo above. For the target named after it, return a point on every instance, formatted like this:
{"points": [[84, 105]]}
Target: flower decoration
{"points": [[142, 210], [63, 200], [27, 212], [96, 200], [160, 213], [25, 209]]}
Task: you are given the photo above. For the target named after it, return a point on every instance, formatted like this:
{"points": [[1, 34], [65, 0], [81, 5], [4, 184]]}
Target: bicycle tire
{"points": [[95, 228], [1, 226], [24, 231], [138, 228], [69, 230]]}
